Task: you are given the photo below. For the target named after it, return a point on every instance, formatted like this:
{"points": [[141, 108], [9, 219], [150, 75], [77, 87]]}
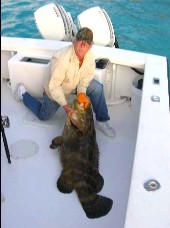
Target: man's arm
{"points": [[69, 111], [57, 77]]}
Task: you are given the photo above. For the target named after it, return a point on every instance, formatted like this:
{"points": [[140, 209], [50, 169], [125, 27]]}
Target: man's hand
{"points": [[69, 111], [82, 98]]}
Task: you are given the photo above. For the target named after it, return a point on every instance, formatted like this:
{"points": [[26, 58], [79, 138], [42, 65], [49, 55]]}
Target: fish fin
{"points": [[56, 142]]}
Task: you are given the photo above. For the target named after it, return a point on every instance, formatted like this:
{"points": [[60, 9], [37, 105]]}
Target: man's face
{"points": [[81, 48]]}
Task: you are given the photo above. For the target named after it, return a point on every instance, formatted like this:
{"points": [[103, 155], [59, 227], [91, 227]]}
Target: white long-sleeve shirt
{"points": [[66, 76]]}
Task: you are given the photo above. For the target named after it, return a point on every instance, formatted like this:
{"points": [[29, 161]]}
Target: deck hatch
{"points": [[23, 149]]}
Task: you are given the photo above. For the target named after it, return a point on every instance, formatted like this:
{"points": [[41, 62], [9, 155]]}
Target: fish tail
{"points": [[94, 205]]}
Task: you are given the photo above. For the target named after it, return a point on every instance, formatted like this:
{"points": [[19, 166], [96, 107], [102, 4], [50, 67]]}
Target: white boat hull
{"points": [[139, 152]]}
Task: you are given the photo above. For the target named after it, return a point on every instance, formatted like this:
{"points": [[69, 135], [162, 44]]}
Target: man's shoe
{"points": [[19, 92], [105, 128]]}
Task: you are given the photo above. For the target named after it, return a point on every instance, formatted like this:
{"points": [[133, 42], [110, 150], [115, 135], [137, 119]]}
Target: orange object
{"points": [[82, 98]]}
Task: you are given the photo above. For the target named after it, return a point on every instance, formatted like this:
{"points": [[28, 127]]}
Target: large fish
{"points": [[79, 155]]}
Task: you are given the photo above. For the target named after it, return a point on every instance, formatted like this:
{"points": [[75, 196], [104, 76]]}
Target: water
{"points": [[140, 25]]}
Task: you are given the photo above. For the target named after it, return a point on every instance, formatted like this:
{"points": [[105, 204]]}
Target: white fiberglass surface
{"points": [[31, 198]]}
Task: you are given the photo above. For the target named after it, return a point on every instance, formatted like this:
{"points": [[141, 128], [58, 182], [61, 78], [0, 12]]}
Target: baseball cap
{"points": [[85, 34]]}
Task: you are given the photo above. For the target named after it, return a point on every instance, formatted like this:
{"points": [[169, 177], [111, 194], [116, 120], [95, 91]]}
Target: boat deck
{"points": [[28, 184]]}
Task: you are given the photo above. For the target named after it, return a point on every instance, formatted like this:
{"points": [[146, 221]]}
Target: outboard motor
{"points": [[54, 23], [99, 22]]}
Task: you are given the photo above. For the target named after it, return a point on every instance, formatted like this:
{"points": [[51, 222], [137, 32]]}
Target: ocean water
{"points": [[140, 25]]}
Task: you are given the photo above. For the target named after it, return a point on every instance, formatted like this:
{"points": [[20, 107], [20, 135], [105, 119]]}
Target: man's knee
{"points": [[44, 117], [96, 87], [99, 87]]}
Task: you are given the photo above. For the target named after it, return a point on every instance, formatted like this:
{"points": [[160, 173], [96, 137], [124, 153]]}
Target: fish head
{"points": [[78, 118]]}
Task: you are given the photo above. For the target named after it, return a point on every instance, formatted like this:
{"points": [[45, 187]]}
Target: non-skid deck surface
{"points": [[29, 185]]}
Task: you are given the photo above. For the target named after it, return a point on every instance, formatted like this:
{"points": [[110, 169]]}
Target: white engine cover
{"points": [[99, 22], [54, 23]]}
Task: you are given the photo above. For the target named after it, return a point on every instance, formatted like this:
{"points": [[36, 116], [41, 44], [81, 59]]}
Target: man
{"points": [[72, 71]]}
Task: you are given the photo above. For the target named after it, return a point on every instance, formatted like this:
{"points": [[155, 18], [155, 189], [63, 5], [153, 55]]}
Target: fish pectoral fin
{"points": [[52, 146], [57, 141]]}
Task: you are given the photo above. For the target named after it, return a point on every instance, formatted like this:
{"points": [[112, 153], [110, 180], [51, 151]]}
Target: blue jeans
{"points": [[47, 108]]}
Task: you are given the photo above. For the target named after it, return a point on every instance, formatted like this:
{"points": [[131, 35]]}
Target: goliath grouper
{"points": [[79, 155]]}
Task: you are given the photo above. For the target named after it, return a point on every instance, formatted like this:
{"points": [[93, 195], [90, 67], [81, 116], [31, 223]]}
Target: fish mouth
{"points": [[77, 121], [75, 126]]}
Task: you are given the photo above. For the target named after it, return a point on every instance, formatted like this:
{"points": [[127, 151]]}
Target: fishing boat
{"points": [[135, 164]]}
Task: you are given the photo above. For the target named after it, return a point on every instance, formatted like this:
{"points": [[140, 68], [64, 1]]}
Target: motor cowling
{"points": [[54, 23], [99, 22]]}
